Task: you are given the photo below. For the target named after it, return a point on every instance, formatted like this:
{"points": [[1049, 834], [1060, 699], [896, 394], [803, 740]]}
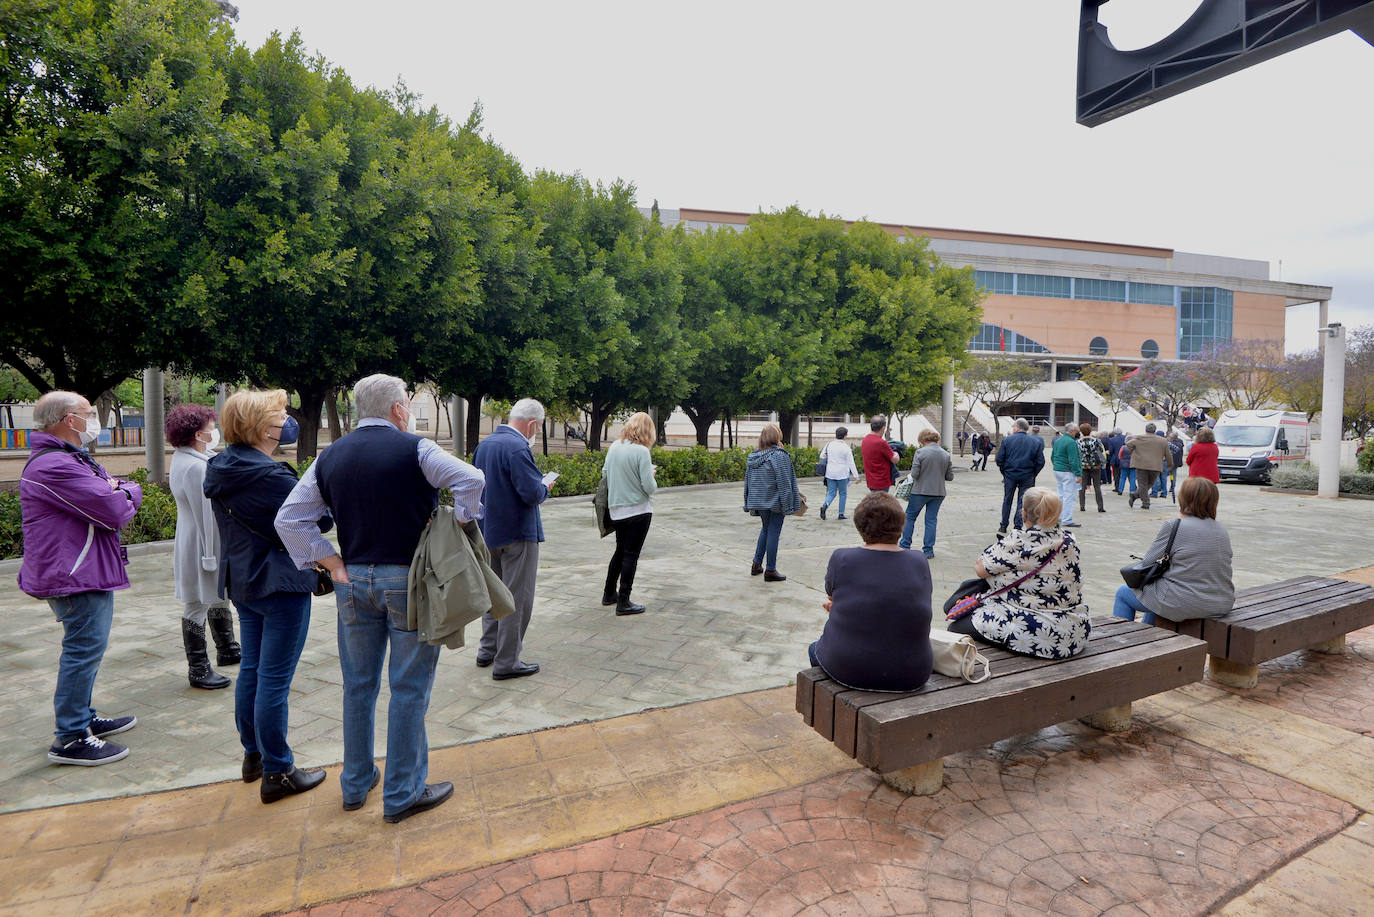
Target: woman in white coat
{"points": [[195, 563]]}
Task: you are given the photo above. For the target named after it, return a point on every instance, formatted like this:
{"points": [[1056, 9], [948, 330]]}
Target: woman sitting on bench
{"points": [[1034, 603], [877, 637], [1198, 582]]}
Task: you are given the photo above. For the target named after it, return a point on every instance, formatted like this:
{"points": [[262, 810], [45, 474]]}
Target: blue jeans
{"points": [[770, 527], [85, 619], [835, 486], [1017, 486], [1127, 605], [1125, 478], [372, 614], [914, 504], [272, 633]]}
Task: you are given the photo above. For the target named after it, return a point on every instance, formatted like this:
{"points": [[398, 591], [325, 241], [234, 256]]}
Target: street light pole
{"points": [[1333, 411]]}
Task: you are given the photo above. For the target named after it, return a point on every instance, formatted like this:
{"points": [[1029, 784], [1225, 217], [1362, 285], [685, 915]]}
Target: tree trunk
{"points": [[601, 412], [544, 434], [788, 421], [473, 433], [701, 419], [331, 406], [308, 416]]}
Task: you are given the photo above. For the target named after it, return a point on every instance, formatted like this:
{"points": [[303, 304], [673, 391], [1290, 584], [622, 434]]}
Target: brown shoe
{"points": [[773, 576], [756, 569]]}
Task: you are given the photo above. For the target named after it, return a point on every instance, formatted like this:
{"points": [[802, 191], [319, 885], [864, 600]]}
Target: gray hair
{"points": [[1022, 424], [526, 409], [1116, 431], [1070, 429], [375, 395], [1150, 428], [52, 407]]}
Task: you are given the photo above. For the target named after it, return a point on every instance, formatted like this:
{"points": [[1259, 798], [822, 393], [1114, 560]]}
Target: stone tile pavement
{"points": [[711, 631]]}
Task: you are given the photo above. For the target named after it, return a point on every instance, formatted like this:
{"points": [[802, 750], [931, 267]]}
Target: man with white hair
{"points": [[1068, 468], [381, 482], [72, 512], [1020, 458], [512, 529]]}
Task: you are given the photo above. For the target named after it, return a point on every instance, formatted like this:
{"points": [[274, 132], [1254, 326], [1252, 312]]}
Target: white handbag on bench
{"points": [[957, 656]]}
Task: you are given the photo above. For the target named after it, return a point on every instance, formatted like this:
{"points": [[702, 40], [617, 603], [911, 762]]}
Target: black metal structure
{"points": [[1221, 37]]}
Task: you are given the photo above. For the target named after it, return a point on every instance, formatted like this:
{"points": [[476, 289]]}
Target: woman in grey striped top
{"points": [[1198, 582]]}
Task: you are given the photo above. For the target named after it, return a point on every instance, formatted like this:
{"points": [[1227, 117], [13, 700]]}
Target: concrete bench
{"points": [[904, 737], [1307, 612]]}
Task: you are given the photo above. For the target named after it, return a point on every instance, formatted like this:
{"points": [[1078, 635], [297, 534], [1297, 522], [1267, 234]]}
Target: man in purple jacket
{"points": [[72, 513]]}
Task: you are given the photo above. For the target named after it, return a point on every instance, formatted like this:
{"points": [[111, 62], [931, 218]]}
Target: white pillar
{"points": [[1322, 310], [458, 424], [947, 413], [221, 396], [154, 418], [1333, 411]]}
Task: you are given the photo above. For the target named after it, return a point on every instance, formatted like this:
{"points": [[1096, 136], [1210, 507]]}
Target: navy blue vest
{"points": [[372, 483]]}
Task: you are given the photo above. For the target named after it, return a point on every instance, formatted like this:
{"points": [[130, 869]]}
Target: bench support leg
{"points": [[919, 779], [1232, 674], [1113, 719], [1335, 647]]}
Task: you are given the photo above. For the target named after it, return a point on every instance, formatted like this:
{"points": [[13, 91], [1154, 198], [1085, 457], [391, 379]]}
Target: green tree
{"points": [[1105, 379], [999, 381], [1298, 382], [1167, 387], [104, 110]]}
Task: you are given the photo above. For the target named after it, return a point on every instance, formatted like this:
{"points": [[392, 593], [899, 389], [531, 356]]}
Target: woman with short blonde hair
{"points": [[770, 436], [629, 472], [1033, 601], [248, 416]]}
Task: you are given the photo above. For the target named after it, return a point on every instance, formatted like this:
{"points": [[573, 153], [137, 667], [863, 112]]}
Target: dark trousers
{"points": [[1145, 482], [629, 541], [1017, 486], [1091, 476]]}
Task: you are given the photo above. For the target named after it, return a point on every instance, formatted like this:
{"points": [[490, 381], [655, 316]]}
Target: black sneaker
{"points": [[103, 726], [87, 751], [822, 511]]}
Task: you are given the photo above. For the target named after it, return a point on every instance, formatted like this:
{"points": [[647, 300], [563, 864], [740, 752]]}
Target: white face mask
{"points": [[213, 442], [411, 426], [92, 431]]}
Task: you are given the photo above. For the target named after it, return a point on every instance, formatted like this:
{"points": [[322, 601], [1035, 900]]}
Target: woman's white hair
{"points": [[526, 409], [375, 395]]}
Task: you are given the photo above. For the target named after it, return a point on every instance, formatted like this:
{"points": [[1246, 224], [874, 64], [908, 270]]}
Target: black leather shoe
{"points": [[279, 786], [756, 569], [608, 598], [483, 663], [252, 766], [822, 512], [520, 671], [773, 576], [626, 607], [435, 794], [355, 806]]}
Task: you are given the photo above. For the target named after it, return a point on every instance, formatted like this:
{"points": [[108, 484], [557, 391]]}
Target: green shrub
{"points": [[1303, 476], [1365, 460], [11, 531], [156, 519]]}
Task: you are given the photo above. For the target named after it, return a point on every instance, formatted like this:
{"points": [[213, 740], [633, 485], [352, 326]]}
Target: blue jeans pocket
{"points": [[397, 605], [343, 597]]}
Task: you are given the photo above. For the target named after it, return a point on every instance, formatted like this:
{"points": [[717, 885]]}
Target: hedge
{"points": [[1303, 476], [156, 519]]}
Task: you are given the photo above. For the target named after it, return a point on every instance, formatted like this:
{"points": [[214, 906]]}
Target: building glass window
{"points": [[1100, 290], [1098, 347], [1150, 294], [1150, 349], [996, 338], [1044, 285], [1204, 318], [995, 281]]}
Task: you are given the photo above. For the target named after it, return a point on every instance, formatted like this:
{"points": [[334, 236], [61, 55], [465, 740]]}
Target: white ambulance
{"points": [[1251, 444]]}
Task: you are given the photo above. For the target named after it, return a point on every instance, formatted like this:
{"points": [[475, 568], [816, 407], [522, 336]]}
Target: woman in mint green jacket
{"points": [[629, 473]]}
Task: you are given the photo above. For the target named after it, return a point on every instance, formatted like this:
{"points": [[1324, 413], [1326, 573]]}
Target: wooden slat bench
{"points": [[904, 736], [1307, 612]]}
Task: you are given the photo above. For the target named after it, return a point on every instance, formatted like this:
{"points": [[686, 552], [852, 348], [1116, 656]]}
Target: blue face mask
{"points": [[289, 431]]}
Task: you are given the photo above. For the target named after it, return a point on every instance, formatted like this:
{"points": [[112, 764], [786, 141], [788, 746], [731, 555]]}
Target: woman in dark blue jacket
{"points": [[246, 487]]}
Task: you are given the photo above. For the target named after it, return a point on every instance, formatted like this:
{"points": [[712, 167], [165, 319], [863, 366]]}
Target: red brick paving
{"points": [[1068, 821], [1337, 690]]}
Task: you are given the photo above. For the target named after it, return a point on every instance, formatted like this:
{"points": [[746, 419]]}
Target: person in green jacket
{"points": [[1068, 468]]}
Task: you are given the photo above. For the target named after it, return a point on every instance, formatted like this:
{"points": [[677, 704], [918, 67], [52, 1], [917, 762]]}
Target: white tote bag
{"points": [[957, 656]]}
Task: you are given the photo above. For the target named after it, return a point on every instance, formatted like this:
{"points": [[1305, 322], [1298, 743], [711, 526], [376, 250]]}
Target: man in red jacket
{"points": [[878, 456]]}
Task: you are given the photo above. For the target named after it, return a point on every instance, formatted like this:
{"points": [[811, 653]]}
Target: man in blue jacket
{"points": [[512, 529], [1020, 458]]}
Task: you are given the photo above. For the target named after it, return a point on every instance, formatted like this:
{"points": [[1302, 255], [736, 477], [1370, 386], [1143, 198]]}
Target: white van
{"points": [[1251, 444]]}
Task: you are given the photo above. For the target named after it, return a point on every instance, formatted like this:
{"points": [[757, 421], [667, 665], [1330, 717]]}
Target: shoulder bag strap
{"points": [[1042, 566]]}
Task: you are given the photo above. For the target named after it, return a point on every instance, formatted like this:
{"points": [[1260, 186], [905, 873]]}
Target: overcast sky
{"points": [[950, 114]]}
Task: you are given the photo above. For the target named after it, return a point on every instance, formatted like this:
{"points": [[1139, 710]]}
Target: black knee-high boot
{"points": [[198, 670], [220, 623]]}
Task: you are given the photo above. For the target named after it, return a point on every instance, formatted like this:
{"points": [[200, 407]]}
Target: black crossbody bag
{"points": [[1141, 572], [324, 583]]}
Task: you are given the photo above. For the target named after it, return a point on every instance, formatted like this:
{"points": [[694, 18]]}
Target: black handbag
{"points": [[1142, 572]]}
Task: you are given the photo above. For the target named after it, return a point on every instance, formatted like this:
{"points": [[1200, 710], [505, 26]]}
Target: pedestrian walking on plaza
{"points": [[931, 467], [1112, 446], [1161, 488], [1148, 454], [878, 456], [1126, 477], [629, 472], [1093, 457], [838, 458], [1067, 462], [1019, 458], [984, 449], [72, 512], [246, 487], [1202, 457], [963, 438], [770, 492], [513, 529], [381, 482], [195, 558]]}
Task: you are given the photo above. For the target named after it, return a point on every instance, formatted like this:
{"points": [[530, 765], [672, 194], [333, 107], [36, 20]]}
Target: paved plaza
{"points": [[1211, 793]]}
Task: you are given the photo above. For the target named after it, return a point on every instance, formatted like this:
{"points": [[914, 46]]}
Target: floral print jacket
{"points": [[1043, 616]]}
